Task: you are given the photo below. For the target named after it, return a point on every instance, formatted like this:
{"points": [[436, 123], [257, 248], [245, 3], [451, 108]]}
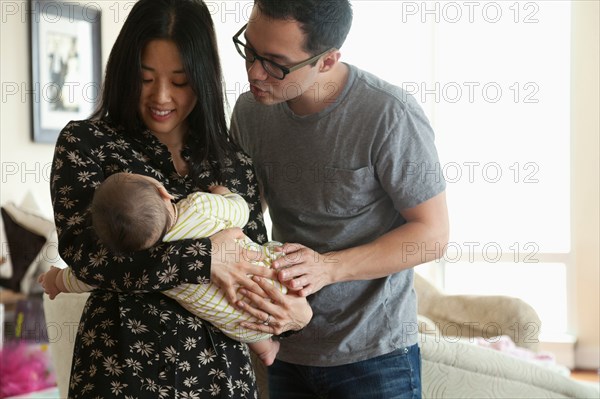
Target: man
{"points": [[349, 170]]}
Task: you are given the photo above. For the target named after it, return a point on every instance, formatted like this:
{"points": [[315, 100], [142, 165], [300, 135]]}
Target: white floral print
{"points": [[132, 341]]}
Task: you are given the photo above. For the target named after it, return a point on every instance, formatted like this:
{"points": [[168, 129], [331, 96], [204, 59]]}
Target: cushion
{"points": [[29, 217], [23, 249], [47, 258], [31, 247], [427, 326], [5, 263]]}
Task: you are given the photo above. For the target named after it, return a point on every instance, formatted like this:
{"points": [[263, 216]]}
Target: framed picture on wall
{"points": [[65, 64]]}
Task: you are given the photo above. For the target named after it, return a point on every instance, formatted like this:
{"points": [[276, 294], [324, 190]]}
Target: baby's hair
{"points": [[128, 213]]}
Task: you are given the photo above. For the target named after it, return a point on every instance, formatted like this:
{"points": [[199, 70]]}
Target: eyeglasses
{"points": [[272, 68]]}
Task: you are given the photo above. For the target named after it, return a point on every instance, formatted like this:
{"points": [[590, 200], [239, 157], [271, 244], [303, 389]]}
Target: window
{"points": [[494, 79]]}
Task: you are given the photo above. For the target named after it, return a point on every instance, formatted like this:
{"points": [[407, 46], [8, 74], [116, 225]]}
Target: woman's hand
{"points": [[231, 264], [278, 312]]}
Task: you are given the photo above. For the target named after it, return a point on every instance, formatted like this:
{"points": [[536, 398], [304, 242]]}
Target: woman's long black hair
{"points": [[189, 25]]}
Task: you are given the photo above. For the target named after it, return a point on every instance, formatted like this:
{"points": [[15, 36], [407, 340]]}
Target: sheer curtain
{"points": [[493, 77]]}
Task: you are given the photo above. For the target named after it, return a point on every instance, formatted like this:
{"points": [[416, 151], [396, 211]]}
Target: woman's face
{"points": [[167, 97]]}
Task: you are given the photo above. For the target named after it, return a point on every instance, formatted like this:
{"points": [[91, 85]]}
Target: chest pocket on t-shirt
{"points": [[348, 191]]}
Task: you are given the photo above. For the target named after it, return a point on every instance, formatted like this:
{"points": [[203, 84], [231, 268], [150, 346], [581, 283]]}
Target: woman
{"points": [[161, 115]]}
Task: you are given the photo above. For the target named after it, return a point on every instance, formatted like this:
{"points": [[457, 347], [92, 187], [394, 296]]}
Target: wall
{"points": [[585, 126], [25, 165]]}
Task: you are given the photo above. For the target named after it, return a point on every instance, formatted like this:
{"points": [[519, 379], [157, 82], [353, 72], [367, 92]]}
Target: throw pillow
{"points": [[28, 216], [24, 247], [47, 258], [5, 264]]}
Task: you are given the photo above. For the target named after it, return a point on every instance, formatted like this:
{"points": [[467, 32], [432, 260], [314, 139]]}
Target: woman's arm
{"points": [[231, 262]]}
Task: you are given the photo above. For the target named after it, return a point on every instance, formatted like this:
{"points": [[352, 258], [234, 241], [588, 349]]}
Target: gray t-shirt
{"points": [[335, 180]]}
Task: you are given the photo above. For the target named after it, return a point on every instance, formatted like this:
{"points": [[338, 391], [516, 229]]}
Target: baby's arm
{"points": [[52, 282], [56, 280], [221, 208], [234, 208], [221, 190]]}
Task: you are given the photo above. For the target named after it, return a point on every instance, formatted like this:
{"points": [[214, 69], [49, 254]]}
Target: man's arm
{"points": [[421, 239]]}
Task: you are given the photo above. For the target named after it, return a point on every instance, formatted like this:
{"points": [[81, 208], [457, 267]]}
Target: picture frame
{"points": [[65, 64]]}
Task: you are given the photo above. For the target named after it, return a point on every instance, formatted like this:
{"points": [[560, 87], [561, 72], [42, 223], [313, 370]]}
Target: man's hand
{"points": [[231, 264], [303, 270]]}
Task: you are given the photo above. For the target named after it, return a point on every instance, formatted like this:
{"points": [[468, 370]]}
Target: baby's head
{"points": [[131, 212]]}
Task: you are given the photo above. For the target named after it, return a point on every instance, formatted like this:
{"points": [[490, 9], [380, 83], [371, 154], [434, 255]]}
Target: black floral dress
{"points": [[133, 341]]}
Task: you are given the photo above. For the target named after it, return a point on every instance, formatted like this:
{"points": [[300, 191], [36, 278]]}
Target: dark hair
{"points": [[128, 213], [189, 25], [326, 23]]}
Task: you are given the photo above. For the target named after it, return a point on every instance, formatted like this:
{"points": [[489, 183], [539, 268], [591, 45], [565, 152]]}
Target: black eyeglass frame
{"points": [[255, 56]]}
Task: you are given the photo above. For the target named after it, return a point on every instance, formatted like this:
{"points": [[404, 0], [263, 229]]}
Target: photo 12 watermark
{"points": [[473, 92], [473, 172], [25, 172], [453, 12], [471, 252]]}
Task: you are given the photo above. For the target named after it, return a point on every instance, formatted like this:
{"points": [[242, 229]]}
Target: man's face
{"points": [[279, 41]]}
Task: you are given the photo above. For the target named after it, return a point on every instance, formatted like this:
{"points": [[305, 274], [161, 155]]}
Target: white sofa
{"points": [[455, 367], [463, 370], [452, 367], [62, 316]]}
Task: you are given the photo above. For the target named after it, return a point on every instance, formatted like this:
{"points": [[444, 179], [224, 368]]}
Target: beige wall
{"points": [[585, 180], [25, 165]]}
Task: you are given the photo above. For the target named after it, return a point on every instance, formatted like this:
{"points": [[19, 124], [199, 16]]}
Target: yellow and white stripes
{"points": [[72, 283], [208, 302], [204, 214]]}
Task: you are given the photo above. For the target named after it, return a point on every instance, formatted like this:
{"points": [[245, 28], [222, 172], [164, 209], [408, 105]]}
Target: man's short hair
{"points": [[325, 23]]}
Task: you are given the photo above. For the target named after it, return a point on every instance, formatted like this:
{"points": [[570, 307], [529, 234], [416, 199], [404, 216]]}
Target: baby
{"points": [[132, 212]]}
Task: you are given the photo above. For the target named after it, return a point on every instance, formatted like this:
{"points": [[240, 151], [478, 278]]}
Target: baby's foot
{"points": [[268, 356]]}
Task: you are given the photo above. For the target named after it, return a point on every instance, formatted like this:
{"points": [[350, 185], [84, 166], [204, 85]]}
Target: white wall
{"points": [[25, 165], [585, 127]]}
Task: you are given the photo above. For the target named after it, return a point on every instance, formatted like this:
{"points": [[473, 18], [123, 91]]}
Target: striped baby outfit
{"points": [[201, 215]]}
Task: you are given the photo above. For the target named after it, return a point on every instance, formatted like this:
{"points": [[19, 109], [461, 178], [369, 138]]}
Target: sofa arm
{"points": [[462, 370], [62, 320], [486, 316]]}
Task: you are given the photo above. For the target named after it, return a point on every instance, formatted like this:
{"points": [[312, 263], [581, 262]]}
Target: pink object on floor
{"points": [[24, 368]]}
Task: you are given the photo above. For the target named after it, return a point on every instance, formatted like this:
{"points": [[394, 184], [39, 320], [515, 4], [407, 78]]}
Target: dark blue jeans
{"points": [[395, 375]]}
